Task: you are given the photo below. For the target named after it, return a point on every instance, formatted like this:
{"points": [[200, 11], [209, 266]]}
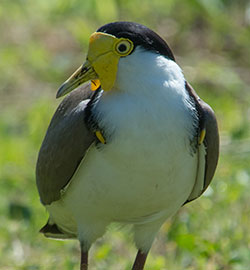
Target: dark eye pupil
{"points": [[122, 48]]}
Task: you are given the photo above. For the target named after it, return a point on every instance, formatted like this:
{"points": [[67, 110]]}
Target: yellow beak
{"points": [[102, 63], [83, 74]]}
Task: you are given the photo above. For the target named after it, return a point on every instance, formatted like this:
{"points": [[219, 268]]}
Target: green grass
{"points": [[41, 43]]}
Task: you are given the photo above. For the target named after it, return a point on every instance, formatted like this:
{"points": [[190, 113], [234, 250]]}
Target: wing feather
{"points": [[208, 151], [65, 144]]}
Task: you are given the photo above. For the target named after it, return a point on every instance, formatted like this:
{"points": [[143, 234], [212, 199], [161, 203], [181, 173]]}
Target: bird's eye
{"points": [[124, 47]]}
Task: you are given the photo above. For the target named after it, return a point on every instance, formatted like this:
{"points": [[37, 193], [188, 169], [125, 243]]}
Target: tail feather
{"points": [[52, 231]]}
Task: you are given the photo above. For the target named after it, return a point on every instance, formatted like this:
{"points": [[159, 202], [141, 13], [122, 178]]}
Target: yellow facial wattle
{"points": [[101, 65]]}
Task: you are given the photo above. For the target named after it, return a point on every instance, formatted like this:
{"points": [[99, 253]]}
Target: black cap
{"points": [[140, 35]]}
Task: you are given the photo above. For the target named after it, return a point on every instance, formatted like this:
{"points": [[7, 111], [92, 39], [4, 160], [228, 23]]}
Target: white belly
{"points": [[129, 184]]}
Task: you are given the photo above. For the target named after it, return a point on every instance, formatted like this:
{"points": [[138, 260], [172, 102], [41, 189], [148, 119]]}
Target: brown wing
{"points": [[65, 144], [208, 122]]}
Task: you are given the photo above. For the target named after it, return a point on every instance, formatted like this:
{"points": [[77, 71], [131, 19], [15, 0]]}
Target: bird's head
{"points": [[107, 46]]}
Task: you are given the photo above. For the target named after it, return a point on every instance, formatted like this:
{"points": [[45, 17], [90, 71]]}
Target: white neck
{"points": [[145, 72], [148, 86]]}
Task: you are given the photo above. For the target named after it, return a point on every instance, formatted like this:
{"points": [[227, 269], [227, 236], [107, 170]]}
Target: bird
{"points": [[131, 143]]}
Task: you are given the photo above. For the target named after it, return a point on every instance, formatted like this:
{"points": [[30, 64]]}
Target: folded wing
{"points": [[65, 144]]}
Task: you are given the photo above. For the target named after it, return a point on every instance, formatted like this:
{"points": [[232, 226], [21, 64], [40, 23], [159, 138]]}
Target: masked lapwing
{"points": [[132, 146]]}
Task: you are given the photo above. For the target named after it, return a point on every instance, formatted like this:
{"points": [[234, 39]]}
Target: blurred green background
{"points": [[41, 43]]}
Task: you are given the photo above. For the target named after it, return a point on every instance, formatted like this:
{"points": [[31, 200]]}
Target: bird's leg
{"points": [[84, 260], [140, 260]]}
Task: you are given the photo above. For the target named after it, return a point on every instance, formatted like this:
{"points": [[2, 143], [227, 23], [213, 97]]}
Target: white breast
{"points": [[146, 170]]}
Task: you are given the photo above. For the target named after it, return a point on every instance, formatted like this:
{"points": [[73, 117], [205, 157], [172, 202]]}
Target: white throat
{"points": [[144, 70], [148, 86]]}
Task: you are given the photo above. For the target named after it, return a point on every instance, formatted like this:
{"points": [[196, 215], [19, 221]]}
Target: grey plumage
{"points": [[65, 144], [208, 122]]}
